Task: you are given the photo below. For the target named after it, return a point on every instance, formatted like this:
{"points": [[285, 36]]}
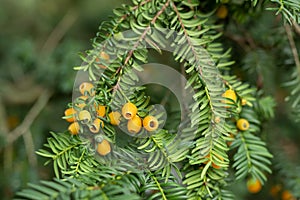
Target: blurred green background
{"points": [[39, 45]]}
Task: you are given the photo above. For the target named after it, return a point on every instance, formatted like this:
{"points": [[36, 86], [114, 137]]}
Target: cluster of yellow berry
{"points": [[254, 186], [80, 117], [83, 115], [242, 124], [278, 191], [135, 123]]}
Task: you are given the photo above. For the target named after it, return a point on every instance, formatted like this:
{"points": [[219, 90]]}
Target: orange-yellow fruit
{"points": [[129, 110], [274, 191], [12, 122], [80, 102], [217, 119], [102, 66], [95, 127], [97, 60], [70, 114], [100, 111], [222, 12], [87, 88], [230, 142], [213, 164], [287, 195], [74, 128], [104, 56], [229, 94], [243, 102], [103, 148], [242, 124], [150, 123], [114, 118], [84, 116], [253, 185], [134, 125]]}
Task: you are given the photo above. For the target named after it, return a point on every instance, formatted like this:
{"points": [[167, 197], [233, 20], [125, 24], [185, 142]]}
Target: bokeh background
{"points": [[39, 45]]}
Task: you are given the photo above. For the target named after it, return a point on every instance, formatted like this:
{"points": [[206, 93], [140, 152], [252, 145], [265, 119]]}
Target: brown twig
{"points": [[183, 90], [29, 147], [30, 117], [141, 38], [239, 40], [293, 46], [3, 125], [146, 31], [296, 27], [7, 152]]}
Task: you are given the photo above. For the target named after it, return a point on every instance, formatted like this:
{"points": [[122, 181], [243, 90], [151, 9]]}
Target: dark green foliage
{"points": [[192, 161]]}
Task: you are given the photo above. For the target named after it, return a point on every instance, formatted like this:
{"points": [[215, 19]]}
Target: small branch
{"points": [[8, 159], [293, 46], [29, 147], [183, 90], [160, 188], [185, 33], [239, 40], [130, 53], [3, 125], [145, 32], [296, 27], [111, 34], [30, 117]]}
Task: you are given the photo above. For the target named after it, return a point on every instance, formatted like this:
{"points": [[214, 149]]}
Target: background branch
{"points": [[30, 117], [293, 46]]}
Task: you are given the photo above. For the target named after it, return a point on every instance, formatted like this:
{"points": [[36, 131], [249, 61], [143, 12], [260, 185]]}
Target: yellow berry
{"points": [[217, 119], [86, 87], [253, 185], [100, 111], [114, 117], [286, 195], [230, 141], [229, 94], [97, 60], [84, 116], [69, 113], [95, 127], [243, 102], [129, 110], [74, 128], [12, 122], [274, 191], [103, 148], [242, 124], [150, 123], [213, 164], [222, 12], [104, 56], [80, 102], [134, 125]]}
